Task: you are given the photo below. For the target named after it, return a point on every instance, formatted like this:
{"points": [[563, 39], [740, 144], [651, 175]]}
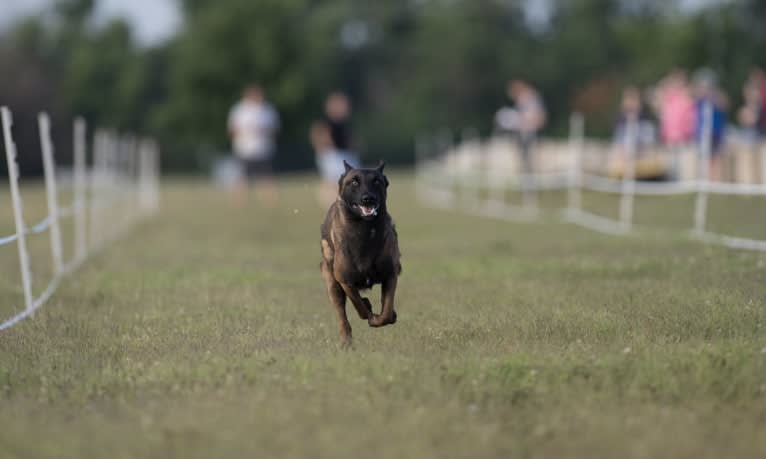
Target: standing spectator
{"points": [[634, 131], [338, 120], [253, 124], [328, 163], [675, 107], [751, 113], [632, 112], [758, 80], [525, 119], [709, 97], [331, 138]]}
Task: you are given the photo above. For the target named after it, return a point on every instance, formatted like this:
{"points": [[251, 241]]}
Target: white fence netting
{"points": [[475, 175], [119, 189]]}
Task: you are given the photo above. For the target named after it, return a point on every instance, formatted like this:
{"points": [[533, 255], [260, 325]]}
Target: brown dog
{"points": [[360, 247]]}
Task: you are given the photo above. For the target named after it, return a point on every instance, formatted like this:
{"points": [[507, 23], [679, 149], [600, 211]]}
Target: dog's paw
{"points": [[345, 335], [366, 315], [378, 320], [346, 342], [375, 321]]}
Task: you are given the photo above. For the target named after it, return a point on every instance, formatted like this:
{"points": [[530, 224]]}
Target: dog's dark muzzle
{"points": [[368, 207]]}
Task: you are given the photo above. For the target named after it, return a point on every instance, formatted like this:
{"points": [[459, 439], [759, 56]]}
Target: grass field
{"points": [[207, 333]]}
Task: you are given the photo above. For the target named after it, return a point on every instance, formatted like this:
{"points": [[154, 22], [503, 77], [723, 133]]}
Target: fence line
{"points": [[18, 212], [453, 178], [124, 178], [51, 194], [80, 190]]}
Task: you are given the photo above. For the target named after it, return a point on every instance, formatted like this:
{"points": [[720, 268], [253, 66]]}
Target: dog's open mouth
{"points": [[367, 210]]}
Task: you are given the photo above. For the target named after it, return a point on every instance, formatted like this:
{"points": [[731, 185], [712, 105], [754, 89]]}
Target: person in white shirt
{"points": [[253, 124]]}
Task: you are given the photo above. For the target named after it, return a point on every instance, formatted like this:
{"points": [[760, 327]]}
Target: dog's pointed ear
{"points": [[347, 166], [379, 168]]}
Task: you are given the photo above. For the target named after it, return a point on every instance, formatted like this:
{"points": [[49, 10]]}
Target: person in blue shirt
{"points": [[709, 97]]}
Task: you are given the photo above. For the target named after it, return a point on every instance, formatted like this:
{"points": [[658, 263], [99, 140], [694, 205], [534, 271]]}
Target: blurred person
{"points": [[331, 139], [524, 120], [674, 105], [632, 110], [338, 120], [758, 79], [634, 131], [751, 113], [253, 124], [707, 94], [328, 163], [675, 109]]}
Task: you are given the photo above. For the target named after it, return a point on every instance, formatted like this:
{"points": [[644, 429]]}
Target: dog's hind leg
{"points": [[387, 315], [338, 299], [362, 305]]}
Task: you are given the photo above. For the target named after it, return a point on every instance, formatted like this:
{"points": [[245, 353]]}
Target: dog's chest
{"points": [[362, 251]]}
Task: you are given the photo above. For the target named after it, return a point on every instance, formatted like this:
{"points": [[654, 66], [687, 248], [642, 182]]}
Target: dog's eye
{"points": [[376, 182], [355, 182]]}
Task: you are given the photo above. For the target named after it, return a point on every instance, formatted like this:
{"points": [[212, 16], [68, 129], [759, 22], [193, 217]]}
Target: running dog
{"points": [[360, 248]]}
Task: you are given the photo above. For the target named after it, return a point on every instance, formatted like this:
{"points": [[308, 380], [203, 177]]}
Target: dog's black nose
{"points": [[367, 199]]}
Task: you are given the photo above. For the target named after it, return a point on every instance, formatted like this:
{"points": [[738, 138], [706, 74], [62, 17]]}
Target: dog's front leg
{"points": [[387, 315], [362, 305], [338, 299]]}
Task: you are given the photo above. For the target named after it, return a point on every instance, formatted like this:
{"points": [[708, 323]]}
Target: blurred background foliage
{"points": [[410, 66]]}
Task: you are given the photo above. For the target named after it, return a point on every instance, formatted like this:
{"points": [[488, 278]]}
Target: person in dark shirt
{"points": [[331, 138], [524, 120], [711, 104], [338, 119]]}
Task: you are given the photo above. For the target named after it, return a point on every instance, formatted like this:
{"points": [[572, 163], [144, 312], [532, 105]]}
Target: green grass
{"points": [[207, 333]]}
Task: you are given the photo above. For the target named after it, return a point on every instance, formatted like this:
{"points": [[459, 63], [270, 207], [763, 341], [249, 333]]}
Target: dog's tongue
{"points": [[367, 211]]}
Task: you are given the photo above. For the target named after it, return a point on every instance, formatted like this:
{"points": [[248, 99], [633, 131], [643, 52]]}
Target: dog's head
{"points": [[364, 191]]}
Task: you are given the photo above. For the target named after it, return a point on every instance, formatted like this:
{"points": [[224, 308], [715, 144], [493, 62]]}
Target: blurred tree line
{"points": [[410, 66]]}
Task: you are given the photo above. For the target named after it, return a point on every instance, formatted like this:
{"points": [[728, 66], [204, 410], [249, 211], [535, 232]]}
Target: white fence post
{"points": [[110, 188], [427, 177], [144, 197], [111, 208], [629, 173], [80, 190], [125, 168], [120, 166], [49, 168], [703, 174], [18, 213], [133, 180], [446, 148], [470, 159], [155, 176], [117, 160], [529, 184], [576, 133], [496, 174], [96, 190], [419, 157]]}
